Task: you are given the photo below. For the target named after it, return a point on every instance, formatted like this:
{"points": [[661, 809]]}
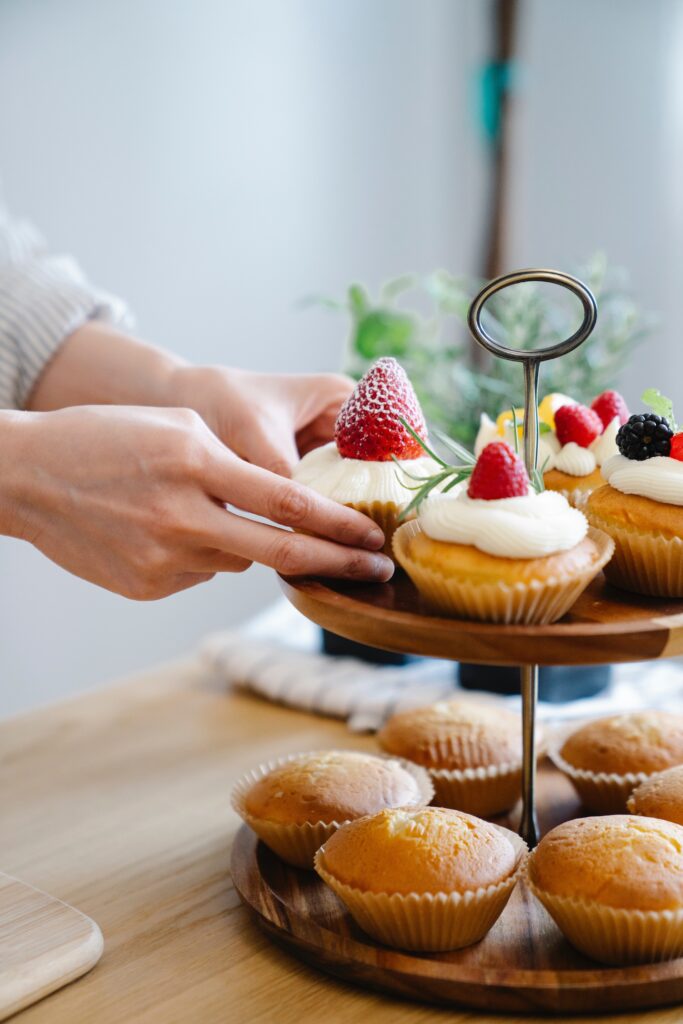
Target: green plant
{"points": [[422, 322]]}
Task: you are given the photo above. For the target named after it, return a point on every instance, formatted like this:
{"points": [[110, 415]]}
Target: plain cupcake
{"points": [[608, 757], [295, 803], [499, 550], [472, 752], [614, 886], [660, 796], [422, 879]]}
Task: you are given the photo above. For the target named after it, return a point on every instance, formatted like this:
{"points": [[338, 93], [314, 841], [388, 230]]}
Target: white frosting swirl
{"points": [[575, 460], [659, 478], [605, 446], [353, 481], [532, 526]]}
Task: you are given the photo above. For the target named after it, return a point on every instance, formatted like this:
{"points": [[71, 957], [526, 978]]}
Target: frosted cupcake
{"points": [[641, 504], [372, 463], [500, 551], [574, 440], [428, 879], [614, 886]]}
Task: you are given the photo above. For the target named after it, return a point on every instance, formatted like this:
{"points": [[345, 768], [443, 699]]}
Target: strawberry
{"points": [[369, 423], [577, 423], [608, 405], [499, 473], [676, 447]]}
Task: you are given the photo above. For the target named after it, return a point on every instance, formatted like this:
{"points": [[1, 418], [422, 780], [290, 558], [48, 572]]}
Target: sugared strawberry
{"points": [[499, 473], [608, 405], [676, 447], [577, 423], [369, 423]]}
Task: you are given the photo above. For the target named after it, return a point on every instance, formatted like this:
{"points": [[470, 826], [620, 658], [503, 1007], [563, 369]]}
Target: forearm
{"points": [[15, 471], [99, 365]]}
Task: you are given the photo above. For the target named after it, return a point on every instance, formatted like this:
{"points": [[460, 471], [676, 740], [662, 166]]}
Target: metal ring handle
{"points": [[572, 284]]}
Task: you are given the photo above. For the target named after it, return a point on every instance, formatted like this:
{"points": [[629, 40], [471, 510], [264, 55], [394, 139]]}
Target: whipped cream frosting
{"points": [[659, 478], [530, 526], [354, 481], [570, 458]]}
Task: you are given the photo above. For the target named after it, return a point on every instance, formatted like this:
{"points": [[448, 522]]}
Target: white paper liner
{"points": [[296, 844], [612, 935], [646, 563], [484, 791], [532, 602], [428, 922], [601, 792]]}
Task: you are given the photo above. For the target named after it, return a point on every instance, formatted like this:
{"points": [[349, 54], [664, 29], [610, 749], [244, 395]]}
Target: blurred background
{"points": [[215, 161]]}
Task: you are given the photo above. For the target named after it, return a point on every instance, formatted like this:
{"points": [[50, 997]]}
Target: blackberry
{"points": [[643, 436]]}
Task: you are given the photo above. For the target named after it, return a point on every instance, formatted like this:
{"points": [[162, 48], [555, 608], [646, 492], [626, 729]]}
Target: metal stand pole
{"points": [[528, 828], [531, 361]]}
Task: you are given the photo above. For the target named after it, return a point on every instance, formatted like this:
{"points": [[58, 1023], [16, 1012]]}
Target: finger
{"points": [[320, 393], [269, 445], [287, 502], [212, 560], [294, 554]]}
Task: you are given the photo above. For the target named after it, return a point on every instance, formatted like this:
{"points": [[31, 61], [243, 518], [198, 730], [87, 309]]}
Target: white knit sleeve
{"points": [[43, 299]]}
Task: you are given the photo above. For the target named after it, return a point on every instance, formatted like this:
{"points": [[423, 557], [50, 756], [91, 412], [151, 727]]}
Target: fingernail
{"points": [[382, 568], [375, 539]]}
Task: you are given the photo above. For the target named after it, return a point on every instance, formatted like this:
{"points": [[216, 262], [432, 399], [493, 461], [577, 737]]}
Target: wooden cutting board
{"points": [[44, 944]]}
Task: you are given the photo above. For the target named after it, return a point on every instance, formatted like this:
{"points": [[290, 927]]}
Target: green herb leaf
{"points": [[660, 405], [544, 428]]}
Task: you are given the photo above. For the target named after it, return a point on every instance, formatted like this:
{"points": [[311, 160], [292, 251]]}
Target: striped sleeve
{"points": [[43, 299]]}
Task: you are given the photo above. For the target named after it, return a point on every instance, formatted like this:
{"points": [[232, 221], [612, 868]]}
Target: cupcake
{"points": [[422, 879], [472, 752], [498, 550], [614, 886], [641, 505], [372, 463], [574, 441], [296, 803], [608, 757], [660, 796]]}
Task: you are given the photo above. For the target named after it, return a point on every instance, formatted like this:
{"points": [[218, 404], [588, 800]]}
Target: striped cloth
{"points": [[277, 656], [43, 299]]}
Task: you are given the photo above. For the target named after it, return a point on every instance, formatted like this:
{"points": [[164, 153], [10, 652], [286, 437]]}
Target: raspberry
{"points": [[677, 447], [577, 423], [608, 405], [369, 423], [499, 473]]}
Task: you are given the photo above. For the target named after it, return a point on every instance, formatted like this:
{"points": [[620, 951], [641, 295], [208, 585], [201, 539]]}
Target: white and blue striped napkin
{"points": [[277, 656]]}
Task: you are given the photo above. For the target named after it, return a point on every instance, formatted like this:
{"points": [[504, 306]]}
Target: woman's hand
{"points": [[133, 499], [267, 419]]}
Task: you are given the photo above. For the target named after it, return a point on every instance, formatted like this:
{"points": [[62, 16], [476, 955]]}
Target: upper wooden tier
{"points": [[605, 625]]}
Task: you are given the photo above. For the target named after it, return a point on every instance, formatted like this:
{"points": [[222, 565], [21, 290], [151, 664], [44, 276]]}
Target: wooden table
{"points": [[118, 803]]}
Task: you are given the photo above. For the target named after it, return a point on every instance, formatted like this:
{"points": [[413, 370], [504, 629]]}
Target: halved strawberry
{"points": [[369, 423], [499, 473]]}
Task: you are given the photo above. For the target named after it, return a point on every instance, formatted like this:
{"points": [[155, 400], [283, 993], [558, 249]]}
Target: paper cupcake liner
{"points": [[577, 498], [613, 935], [533, 602], [385, 514], [481, 791], [646, 563], [297, 844], [602, 792], [427, 922]]}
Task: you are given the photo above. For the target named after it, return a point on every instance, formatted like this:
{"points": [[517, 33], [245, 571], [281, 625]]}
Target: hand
{"points": [[267, 419], [133, 499]]}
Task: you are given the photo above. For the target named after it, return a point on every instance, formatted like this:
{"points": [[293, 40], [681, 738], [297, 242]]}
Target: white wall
{"points": [[213, 162]]}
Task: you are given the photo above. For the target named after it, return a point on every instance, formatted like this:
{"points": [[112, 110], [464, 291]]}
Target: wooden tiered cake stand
{"points": [[524, 964]]}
